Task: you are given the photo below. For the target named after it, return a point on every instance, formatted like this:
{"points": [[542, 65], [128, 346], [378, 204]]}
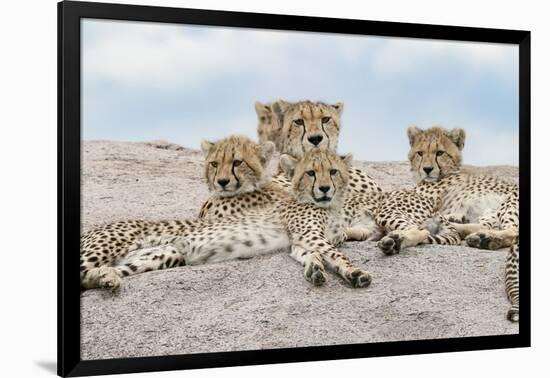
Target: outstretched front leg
{"points": [[491, 239], [314, 270], [408, 230], [341, 265], [317, 248], [402, 215], [399, 239]]}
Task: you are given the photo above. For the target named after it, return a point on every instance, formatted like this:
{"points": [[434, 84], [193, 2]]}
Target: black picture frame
{"points": [[69, 16]]}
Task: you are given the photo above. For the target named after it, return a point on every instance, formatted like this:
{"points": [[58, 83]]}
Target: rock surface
{"points": [[263, 303]]}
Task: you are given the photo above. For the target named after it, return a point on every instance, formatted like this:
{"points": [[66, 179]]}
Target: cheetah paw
{"points": [[391, 243], [109, 278], [513, 315], [484, 240], [358, 278], [315, 273], [339, 239]]}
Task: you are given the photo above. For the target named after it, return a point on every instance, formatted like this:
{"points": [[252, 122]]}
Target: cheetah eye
{"points": [[333, 172], [439, 153], [311, 173], [236, 163], [420, 153], [214, 164], [262, 118], [325, 119], [299, 122]]}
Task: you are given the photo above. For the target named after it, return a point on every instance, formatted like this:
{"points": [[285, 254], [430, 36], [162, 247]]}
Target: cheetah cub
{"points": [[236, 175], [484, 209], [296, 128], [308, 221]]}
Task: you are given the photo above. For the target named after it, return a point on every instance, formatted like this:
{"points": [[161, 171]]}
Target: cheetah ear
{"points": [[458, 136], [279, 108], [266, 151], [261, 109], [412, 133], [206, 146], [347, 158], [339, 107], [288, 164]]}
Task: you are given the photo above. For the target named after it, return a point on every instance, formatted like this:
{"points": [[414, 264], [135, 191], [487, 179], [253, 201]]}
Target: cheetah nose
{"points": [[315, 140], [324, 189], [223, 182], [428, 170]]}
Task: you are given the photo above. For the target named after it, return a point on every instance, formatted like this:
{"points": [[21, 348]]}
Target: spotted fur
{"points": [[308, 221], [401, 214], [484, 209]]}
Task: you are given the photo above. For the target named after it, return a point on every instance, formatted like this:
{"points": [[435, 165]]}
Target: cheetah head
{"points": [[235, 165], [307, 125], [320, 177], [435, 152]]}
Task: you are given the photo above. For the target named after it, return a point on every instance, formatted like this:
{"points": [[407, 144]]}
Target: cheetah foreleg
{"points": [[397, 240], [492, 239], [341, 265], [314, 270], [465, 229], [360, 233]]}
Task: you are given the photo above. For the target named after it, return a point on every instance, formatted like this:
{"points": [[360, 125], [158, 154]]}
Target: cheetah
{"points": [[296, 128], [484, 210], [308, 221], [236, 175]]}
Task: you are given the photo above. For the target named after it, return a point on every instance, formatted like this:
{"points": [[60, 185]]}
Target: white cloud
{"points": [[169, 56], [405, 55], [184, 57], [146, 54]]}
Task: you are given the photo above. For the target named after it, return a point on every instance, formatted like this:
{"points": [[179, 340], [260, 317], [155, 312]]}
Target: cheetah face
{"points": [[307, 125], [320, 177], [235, 165], [435, 153]]}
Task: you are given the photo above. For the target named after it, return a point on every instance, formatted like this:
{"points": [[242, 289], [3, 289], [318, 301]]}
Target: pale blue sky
{"points": [[146, 81]]}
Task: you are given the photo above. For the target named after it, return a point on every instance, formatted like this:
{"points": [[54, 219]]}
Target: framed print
{"points": [[252, 188]]}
